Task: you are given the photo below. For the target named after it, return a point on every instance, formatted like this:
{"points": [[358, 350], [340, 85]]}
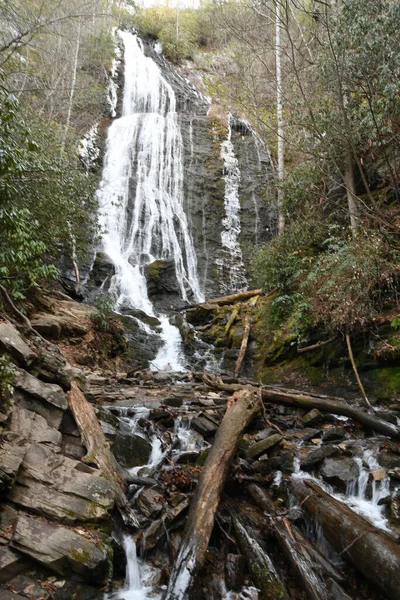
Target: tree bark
{"points": [[243, 346], [231, 299], [261, 567], [313, 569], [373, 552], [97, 447], [324, 404], [241, 407]]}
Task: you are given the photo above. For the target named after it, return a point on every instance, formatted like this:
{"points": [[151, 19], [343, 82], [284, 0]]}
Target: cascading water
{"points": [[141, 194], [231, 264]]}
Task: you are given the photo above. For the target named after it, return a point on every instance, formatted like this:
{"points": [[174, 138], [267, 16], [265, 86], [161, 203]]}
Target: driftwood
{"points": [[232, 319], [314, 571], [97, 447], [233, 298], [316, 346], [353, 364], [240, 410], [373, 552], [308, 401], [243, 345], [261, 567]]}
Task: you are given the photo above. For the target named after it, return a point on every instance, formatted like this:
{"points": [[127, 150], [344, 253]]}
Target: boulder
{"points": [[11, 457], [235, 569], [31, 427], [201, 315], [340, 471], [131, 450], [55, 486], [12, 562], [53, 368], [311, 457], [149, 502], [161, 278], [313, 417], [61, 549], [57, 326], [12, 343]]}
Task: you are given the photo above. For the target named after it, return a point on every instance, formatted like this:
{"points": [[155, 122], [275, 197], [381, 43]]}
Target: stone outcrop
{"points": [[61, 549], [60, 488], [12, 343]]}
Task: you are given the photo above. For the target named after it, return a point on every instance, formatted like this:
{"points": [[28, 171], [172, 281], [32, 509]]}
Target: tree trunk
{"points": [[97, 447], [279, 112], [313, 569], [324, 404], [243, 346], [240, 409], [373, 552], [239, 297], [262, 570]]}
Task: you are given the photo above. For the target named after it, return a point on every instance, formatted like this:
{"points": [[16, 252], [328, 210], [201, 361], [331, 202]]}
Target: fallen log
{"points": [[97, 447], [243, 345], [232, 319], [240, 410], [324, 404], [261, 567], [313, 569], [372, 551], [232, 298], [316, 346]]}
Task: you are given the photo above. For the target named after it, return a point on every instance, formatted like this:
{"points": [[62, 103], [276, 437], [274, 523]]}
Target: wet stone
{"points": [[131, 450], [340, 471], [310, 457]]}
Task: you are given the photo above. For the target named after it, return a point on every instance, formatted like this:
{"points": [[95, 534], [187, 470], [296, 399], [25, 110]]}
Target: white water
{"points": [[356, 496], [231, 265], [141, 194], [137, 576]]}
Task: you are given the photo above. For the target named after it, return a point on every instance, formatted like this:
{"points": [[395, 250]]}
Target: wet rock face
{"points": [[204, 188]]}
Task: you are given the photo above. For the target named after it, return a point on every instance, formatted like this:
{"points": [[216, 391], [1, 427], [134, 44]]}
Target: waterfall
{"points": [[230, 266], [141, 193]]}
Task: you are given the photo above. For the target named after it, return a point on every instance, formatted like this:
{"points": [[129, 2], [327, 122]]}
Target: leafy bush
{"points": [[6, 378], [176, 29], [101, 318]]}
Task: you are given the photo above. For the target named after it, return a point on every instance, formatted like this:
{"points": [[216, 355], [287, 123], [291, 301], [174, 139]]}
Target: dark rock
{"points": [[161, 278], [388, 461], [29, 586], [12, 343], [68, 425], [61, 549], [204, 425], [334, 434], [201, 315], [186, 458], [54, 486], [340, 471], [283, 462], [311, 457], [11, 457], [11, 563], [142, 316], [235, 571], [395, 507], [149, 502], [262, 446], [131, 450]]}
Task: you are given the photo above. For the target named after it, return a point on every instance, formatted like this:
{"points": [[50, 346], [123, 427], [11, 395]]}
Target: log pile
{"points": [[226, 513]]}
